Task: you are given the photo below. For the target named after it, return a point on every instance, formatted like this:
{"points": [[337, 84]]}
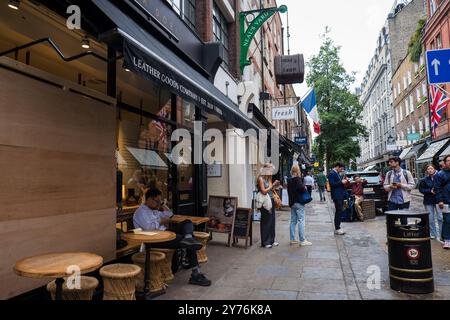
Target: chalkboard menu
{"points": [[243, 225]]}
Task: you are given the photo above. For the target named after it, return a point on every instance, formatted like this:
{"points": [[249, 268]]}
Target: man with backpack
{"points": [[399, 183]]}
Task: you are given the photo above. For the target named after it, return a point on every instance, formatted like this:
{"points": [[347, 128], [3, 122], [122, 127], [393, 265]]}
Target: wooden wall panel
{"points": [[88, 231], [57, 159]]}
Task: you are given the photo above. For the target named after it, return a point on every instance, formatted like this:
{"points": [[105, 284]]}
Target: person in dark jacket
{"points": [[442, 191], [296, 186], [426, 187], [338, 194]]}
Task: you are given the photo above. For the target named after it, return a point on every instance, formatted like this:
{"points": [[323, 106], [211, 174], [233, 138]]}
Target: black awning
{"points": [[261, 120], [290, 145], [149, 58]]}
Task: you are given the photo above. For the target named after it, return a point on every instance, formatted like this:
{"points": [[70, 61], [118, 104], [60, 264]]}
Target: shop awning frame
{"points": [[156, 55], [433, 150]]}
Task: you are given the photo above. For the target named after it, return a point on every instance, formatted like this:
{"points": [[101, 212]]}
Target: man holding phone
{"points": [[399, 183], [442, 190]]}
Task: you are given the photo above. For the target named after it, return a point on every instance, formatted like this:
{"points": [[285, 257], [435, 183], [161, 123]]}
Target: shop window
{"points": [[185, 113], [143, 150]]}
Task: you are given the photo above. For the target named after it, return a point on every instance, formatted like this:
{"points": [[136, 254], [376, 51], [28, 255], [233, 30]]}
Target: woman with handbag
{"points": [[298, 198], [267, 187]]}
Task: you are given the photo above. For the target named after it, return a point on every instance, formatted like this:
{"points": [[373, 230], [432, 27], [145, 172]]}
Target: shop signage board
{"points": [[222, 214], [243, 228], [284, 113], [289, 69], [438, 66], [414, 137]]}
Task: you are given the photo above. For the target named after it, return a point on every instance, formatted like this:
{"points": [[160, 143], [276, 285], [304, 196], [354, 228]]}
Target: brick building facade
{"points": [[437, 36]]}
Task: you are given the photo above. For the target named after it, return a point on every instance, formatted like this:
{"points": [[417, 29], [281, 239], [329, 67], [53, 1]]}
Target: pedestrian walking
{"points": [[309, 182], [338, 194], [426, 187], [296, 188], [321, 180], [266, 186], [442, 190], [399, 183], [358, 185]]}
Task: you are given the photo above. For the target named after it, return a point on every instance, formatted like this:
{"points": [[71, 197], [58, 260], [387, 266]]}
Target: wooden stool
{"points": [[203, 237], [156, 277], [86, 291], [166, 265], [119, 281]]}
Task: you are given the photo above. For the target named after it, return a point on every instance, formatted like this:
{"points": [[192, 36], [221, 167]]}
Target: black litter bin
{"points": [[410, 263]]}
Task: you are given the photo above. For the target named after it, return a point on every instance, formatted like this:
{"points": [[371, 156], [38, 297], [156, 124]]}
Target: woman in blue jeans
{"points": [[295, 188], [426, 187]]}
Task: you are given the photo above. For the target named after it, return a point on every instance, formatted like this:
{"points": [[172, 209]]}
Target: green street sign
{"points": [[248, 35]]}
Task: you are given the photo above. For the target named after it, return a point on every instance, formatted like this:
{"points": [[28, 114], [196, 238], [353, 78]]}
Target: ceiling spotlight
{"points": [[127, 70], [14, 4], [85, 43]]}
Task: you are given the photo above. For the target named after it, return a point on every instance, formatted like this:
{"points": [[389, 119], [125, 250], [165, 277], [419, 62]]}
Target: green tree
{"points": [[340, 110]]}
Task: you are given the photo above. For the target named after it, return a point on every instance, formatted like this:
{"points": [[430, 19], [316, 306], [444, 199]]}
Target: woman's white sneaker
{"points": [[305, 243], [339, 232], [268, 246]]}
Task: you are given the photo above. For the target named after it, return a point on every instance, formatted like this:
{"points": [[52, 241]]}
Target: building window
{"points": [[433, 7], [185, 9], [420, 126], [424, 89], [411, 103], [406, 106], [220, 30], [409, 77], [439, 41]]}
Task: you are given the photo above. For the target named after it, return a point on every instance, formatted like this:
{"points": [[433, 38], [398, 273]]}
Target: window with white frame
{"points": [[406, 107], [397, 118], [411, 103], [433, 7], [405, 83], [409, 77], [424, 89], [401, 112], [420, 126], [422, 60], [427, 123], [418, 94], [399, 88]]}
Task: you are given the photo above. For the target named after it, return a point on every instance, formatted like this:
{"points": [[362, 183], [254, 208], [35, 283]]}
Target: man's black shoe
{"points": [[191, 243], [199, 279]]}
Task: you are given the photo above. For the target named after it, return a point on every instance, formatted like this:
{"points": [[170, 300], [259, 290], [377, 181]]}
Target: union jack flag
{"points": [[438, 106]]}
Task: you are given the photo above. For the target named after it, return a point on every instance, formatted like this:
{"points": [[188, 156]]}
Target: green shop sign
{"points": [[248, 35]]}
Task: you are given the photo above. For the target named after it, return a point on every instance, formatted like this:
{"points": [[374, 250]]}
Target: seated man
{"points": [[357, 186], [155, 216]]}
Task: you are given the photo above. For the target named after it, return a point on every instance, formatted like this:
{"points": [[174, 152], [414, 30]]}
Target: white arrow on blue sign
{"points": [[438, 66]]}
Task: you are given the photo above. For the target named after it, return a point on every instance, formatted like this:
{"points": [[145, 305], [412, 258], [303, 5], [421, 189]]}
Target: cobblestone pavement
{"points": [[334, 268]]}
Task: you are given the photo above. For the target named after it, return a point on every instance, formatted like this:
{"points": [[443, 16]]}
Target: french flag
{"points": [[309, 103]]}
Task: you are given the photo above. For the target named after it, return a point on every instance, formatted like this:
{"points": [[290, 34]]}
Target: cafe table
{"points": [[196, 221], [58, 266], [149, 238]]}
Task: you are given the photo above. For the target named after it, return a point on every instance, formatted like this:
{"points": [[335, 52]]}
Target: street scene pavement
{"points": [[334, 268]]}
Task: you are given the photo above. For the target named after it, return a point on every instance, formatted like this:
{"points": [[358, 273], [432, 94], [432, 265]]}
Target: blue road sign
{"points": [[438, 66], [301, 140]]}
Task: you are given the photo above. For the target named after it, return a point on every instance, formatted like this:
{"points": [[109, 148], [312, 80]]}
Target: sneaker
{"points": [[199, 279], [191, 243], [339, 232], [275, 244], [294, 242], [268, 246], [447, 245], [305, 243]]}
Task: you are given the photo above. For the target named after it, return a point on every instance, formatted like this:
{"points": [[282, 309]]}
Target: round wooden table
{"points": [[58, 265], [149, 238]]}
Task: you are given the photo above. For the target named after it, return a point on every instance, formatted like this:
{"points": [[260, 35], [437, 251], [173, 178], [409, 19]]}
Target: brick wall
{"points": [[203, 19]]}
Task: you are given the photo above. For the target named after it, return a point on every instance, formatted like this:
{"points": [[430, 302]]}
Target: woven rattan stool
{"points": [[156, 278], [85, 292], [166, 265], [203, 237], [119, 281]]}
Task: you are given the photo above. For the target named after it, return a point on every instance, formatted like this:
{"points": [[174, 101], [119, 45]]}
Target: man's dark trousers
{"points": [[339, 205], [181, 230]]}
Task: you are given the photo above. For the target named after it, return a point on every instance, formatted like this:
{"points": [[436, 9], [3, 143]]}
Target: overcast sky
{"points": [[355, 25]]}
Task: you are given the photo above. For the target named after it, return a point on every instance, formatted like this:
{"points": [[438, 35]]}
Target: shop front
{"points": [[431, 155], [92, 132]]}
